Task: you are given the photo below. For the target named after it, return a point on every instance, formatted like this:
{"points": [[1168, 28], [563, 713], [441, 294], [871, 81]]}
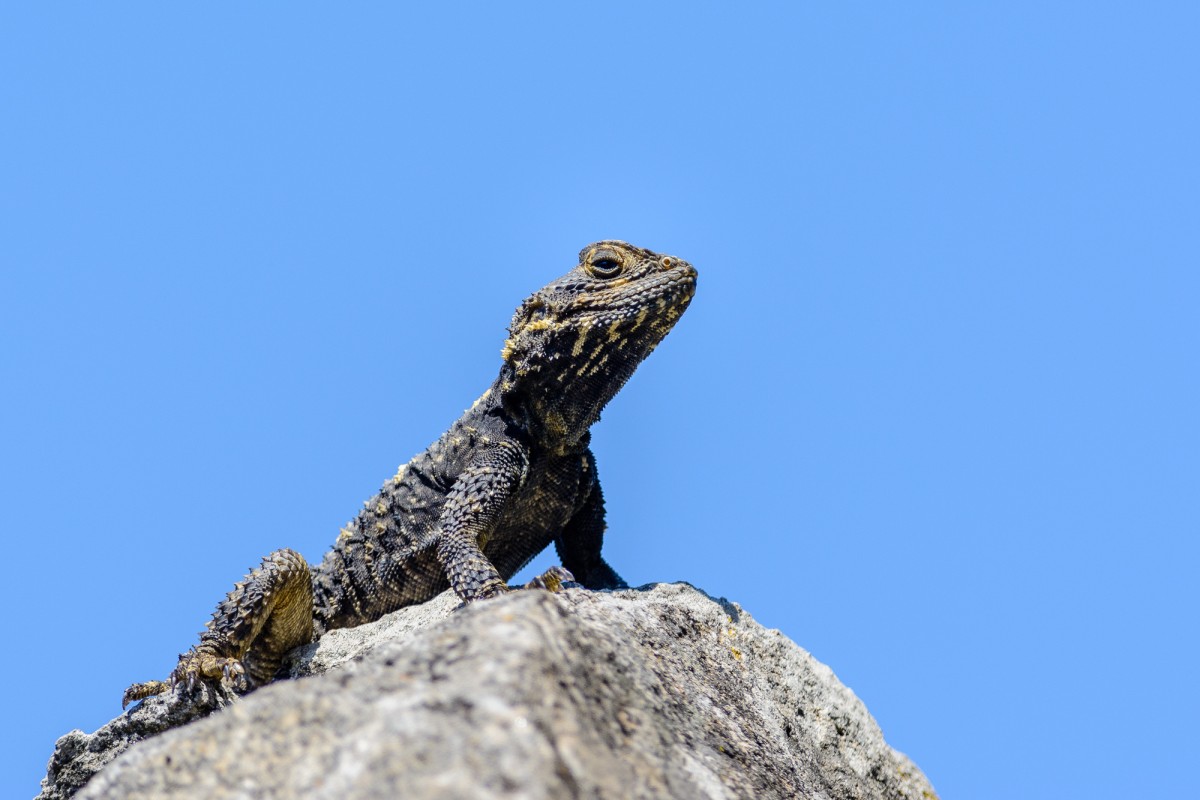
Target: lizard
{"points": [[512, 475]]}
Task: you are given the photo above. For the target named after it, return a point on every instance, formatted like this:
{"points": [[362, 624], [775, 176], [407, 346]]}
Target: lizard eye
{"points": [[604, 263]]}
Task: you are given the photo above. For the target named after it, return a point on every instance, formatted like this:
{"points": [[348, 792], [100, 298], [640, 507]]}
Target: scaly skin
{"points": [[512, 475]]}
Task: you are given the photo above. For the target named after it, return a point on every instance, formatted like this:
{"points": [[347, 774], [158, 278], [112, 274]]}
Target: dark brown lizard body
{"points": [[511, 476]]}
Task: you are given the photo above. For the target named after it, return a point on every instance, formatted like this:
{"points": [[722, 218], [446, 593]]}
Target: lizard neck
{"points": [[558, 421]]}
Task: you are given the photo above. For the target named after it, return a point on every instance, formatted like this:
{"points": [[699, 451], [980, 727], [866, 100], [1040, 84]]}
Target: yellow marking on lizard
{"points": [[510, 345], [596, 367], [580, 342], [556, 423]]}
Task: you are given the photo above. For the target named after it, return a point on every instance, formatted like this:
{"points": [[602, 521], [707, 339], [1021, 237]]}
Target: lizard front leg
{"points": [[265, 616], [473, 508], [579, 543]]}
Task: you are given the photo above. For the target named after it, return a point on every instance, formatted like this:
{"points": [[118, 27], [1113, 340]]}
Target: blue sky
{"points": [[932, 413]]}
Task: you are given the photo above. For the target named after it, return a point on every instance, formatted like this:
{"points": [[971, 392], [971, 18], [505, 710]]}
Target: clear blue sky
{"points": [[933, 412]]}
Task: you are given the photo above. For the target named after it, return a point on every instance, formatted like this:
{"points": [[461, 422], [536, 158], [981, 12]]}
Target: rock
{"points": [[647, 693]]}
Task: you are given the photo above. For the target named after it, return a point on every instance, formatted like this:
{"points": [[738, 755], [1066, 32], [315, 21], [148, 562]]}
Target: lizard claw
{"points": [[234, 674]]}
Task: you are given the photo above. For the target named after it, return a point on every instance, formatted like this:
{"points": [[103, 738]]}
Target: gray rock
{"points": [[648, 693]]}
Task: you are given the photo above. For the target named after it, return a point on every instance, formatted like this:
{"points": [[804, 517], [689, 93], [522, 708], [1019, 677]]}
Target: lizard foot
{"points": [[551, 580], [200, 664], [194, 666]]}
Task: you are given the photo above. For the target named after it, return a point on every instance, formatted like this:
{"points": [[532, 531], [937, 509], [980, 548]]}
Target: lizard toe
{"points": [[140, 691], [551, 580]]}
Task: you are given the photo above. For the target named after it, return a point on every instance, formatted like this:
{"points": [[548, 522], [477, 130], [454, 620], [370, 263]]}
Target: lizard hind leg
{"points": [[266, 615]]}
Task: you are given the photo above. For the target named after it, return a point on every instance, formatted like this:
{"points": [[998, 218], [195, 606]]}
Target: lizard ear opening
{"points": [[532, 310], [533, 315]]}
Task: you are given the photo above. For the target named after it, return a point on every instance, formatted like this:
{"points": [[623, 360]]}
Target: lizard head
{"points": [[573, 344]]}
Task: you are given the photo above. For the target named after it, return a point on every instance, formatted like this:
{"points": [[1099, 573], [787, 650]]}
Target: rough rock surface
{"points": [[647, 693]]}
